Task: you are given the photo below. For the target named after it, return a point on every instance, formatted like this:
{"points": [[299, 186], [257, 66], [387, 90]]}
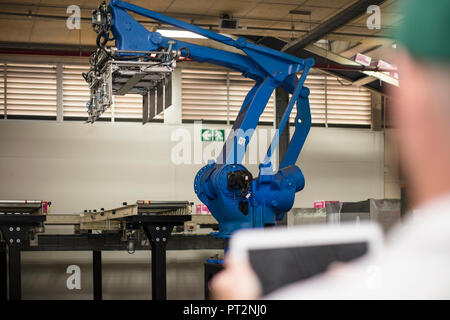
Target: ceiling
{"points": [[41, 23]]}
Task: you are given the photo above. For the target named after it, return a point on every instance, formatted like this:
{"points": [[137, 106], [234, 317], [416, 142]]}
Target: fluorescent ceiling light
{"points": [[180, 34]]}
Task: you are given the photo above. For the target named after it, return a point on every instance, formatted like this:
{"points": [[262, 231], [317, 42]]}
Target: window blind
{"points": [[238, 89], [128, 106], [316, 85], [209, 94], [347, 104], [2, 90], [76, 94], [216, 95], [31, 89]]}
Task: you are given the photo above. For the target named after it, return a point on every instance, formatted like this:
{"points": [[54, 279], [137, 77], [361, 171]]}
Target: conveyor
{"points": [[143, 225]]}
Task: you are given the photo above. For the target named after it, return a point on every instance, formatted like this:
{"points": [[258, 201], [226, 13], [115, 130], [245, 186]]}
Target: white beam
{"points": [[363, 81], [345, 61]]}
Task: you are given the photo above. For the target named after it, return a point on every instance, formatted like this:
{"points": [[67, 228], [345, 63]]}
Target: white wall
{"points": [[78, 166], [341, 164], [391, 163]]}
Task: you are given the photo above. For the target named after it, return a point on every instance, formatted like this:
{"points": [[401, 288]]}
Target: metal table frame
{"points": [[15, 230], [96, 243], [158, 229], [3, 272]]}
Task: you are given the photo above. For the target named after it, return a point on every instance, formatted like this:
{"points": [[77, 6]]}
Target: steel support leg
{"points": [[3, 273], [211, 269], [97, 274], [15, 233], [158, 236], [159, 290], [15, 282], [281, 103], [15, 236]]}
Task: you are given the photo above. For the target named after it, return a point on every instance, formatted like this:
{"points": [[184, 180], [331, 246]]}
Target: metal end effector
{"points": [[119, 72]]}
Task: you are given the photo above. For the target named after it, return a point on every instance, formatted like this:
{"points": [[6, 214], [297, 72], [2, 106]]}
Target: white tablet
{"points": [[280, 256]]}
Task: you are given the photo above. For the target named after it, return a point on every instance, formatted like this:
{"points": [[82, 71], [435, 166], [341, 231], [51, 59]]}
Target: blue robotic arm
{"points": [[234, 197]]}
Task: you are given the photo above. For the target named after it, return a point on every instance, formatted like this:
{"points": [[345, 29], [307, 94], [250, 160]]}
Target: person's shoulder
{"points": [[424, 226], [436, 210]]}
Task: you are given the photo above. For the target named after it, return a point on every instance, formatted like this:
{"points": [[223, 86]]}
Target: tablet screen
{"points": [[277, 267]]}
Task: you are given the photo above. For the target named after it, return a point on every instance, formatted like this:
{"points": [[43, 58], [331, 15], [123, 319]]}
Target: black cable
{"points": [[188, 52], [110, 39]]}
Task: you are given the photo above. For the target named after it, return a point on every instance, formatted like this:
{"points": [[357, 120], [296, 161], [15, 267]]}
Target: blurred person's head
{"points": [[421, 104]]}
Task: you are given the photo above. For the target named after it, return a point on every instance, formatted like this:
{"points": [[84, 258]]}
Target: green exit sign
{"points": [[213, 135]]}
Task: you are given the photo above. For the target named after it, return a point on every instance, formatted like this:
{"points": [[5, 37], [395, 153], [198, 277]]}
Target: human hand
{"points": [[237, 282]]}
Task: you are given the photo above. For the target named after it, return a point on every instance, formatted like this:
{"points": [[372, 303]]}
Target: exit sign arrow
{"points": [[206, 135]]}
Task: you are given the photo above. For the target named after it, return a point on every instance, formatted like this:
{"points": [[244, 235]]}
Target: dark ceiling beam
{"points": [[337, 21], [367, 51], [46, 49], [328, 66]]}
